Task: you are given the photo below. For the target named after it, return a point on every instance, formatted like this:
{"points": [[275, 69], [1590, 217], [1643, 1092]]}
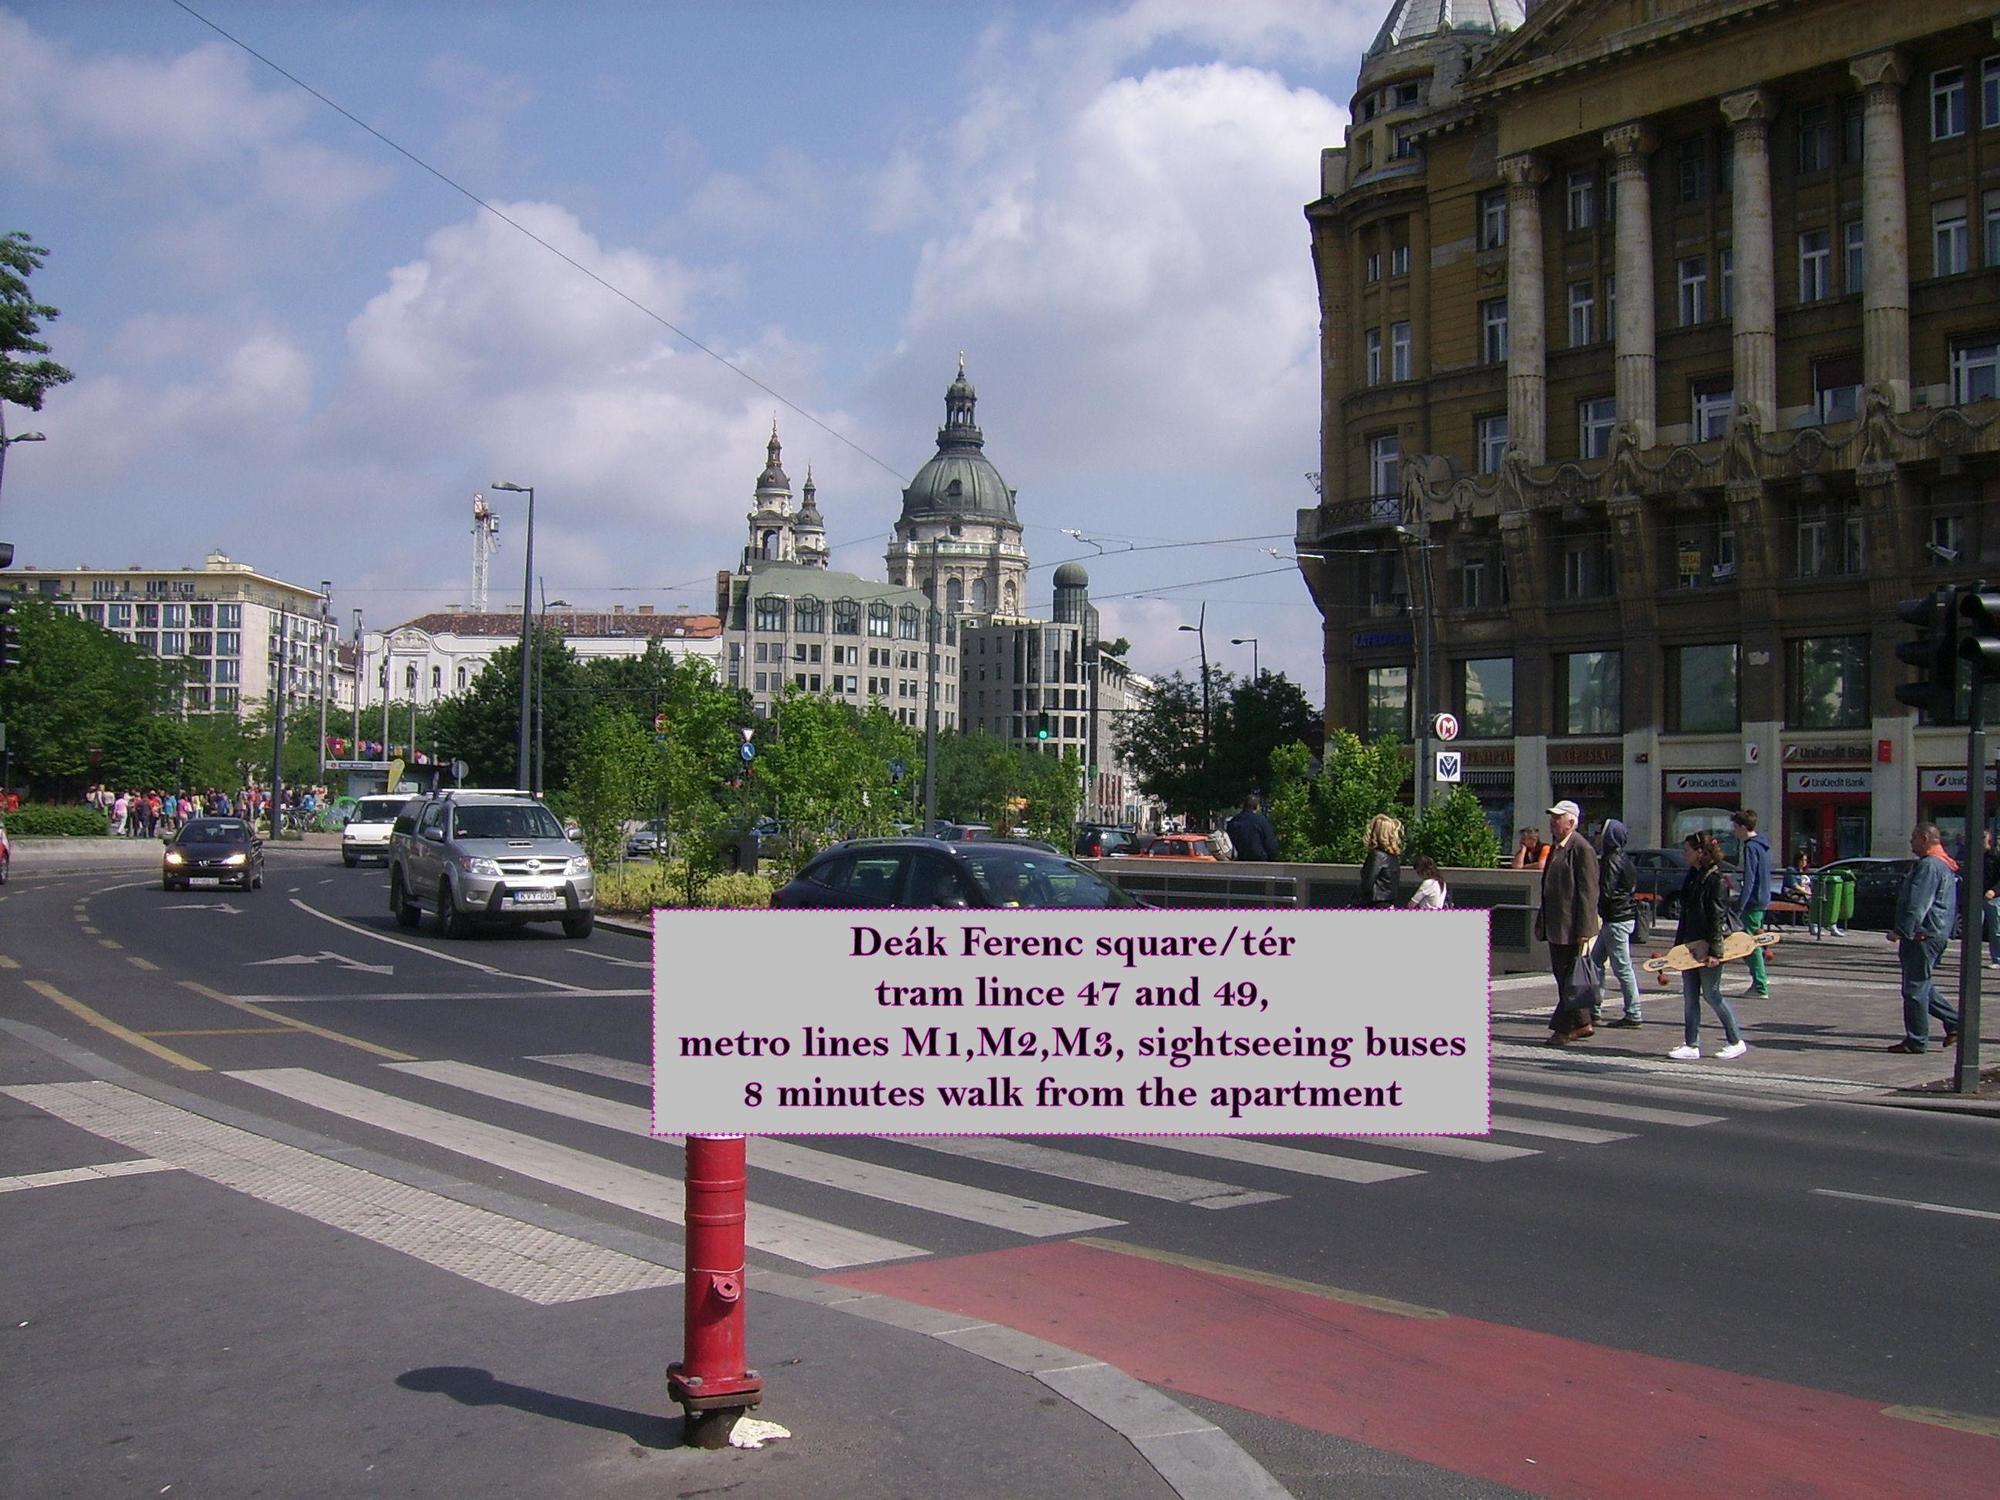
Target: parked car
{"points": [[1182, 846], [488, 856], [646, 841], [931, 873], [963, 833], [1660, 873], [1877, 882], [366, 834], [1021, 841], [213, 851], [1104, 841]]}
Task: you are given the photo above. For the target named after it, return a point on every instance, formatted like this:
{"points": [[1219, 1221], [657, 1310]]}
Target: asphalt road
{"points": [[1634, 1286]]}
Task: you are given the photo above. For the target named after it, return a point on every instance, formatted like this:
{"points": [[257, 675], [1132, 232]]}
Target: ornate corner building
{"points": [[1665, 335]]}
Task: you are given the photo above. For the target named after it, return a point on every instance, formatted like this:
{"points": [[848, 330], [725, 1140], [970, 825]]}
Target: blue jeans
{"points": [[1706, 984], [1992, 921], [1614, 941], [1921, 997]]}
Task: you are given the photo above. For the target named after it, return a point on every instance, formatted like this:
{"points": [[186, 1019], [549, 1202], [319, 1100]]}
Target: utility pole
{"points": [[325, 665], [931, 622], [360, 683], [278, 727], [541, 649]]}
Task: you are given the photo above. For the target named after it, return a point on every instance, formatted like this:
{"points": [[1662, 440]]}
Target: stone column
{"points": [[1756, 321], [1885, 296], [1630, 145], [1527, 314]]}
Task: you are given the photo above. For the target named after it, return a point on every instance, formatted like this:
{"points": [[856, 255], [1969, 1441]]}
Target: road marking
{"points": [[505, 1254], [353, 964], [105, 1024], [1092, 1171], [92, 931], [602, 1067], [1278, 1158], [1578, 1078], [220, 1031], [1556, 1130], [1719, 1073], [142, 963], [109, 943], [775, 1231], [294, 1025], [1958, 1420], [1458, 1147], [450, 958], [1266, 1278], [1610, 1108], [222, 906], [102, 1172], [1933, 1208], [361, 995], [623, 963], [934, 1195], [7, 963]]}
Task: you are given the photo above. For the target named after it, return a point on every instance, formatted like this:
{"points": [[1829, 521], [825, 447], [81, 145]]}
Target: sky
{"points": [[309, 346]]}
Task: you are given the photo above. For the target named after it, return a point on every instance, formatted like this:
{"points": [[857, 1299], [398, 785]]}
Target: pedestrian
{"points": [[1431, 889], [119, 806], [1990, 919], [1705, 912], [1251, 831], [1530, 853], [1755, 896], [1567, 922], [1618, 908], [1925, 908], [1382, 870]]}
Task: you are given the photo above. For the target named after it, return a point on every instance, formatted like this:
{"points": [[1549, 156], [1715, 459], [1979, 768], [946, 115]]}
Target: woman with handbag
{"points": [[1382, 870], [1705, 921]]}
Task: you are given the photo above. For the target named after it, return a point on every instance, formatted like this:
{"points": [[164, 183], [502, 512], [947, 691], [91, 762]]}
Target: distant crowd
{"points": [[151, 813]]}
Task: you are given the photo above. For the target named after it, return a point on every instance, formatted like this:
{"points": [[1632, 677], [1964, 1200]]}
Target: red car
{"points": [[1182, 846]]}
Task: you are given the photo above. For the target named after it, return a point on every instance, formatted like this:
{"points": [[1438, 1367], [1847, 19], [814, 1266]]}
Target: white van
{"points": [[366, 835]]}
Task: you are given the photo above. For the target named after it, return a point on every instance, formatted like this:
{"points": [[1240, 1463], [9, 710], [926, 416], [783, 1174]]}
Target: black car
{"points": [[213, 851], [1103, 840], [923, 873], [1660, 873], [1877, 883]]}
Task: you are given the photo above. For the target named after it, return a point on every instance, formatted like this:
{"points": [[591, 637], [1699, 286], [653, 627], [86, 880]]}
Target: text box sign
{"points": [[1019, 1022]]}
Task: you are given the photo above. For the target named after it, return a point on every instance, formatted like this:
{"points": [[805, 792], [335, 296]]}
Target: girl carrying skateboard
{"points": [[1704, 906]]}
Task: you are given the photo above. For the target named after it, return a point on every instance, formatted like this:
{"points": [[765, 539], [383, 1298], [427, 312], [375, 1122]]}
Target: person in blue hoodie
{"points": [[1755, 894], [1617, 904]]}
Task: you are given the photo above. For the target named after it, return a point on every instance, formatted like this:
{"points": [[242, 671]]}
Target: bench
{"points": [[1796, 910]]}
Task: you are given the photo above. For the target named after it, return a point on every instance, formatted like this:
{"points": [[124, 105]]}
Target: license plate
{"points": [[534, 898], [205, 880]]}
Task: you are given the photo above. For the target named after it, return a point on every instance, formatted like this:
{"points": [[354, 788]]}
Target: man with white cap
{"points": [[1568, 921]]}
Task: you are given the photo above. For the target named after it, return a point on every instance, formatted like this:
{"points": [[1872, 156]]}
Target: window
{"points": [[1694, 291], [149, 617], [174, 617], [1399, 351], [1399, 259], [229, 643], [1583, 315], [1576, 571], [1401, 145], [1712, 403], [1725, 289], [1992, 221], [1852, 137], [1493, 330], [1493, 219], [1406, 95], [437, 681], [1372, 358], [771, 613], [1811, 556], [1815, 138], [1946, 548], [202, 616], [1702, 694], [1815, 255], [228, 617], [1829, 682], [909, 623], [1989, 93], [1610, 306], [846, 617], [1947, 103], [1837, 388], [1583, 198], [228, 671], [879, 626], [1594, 419], [1975, 375], [1486, 694], [1372, 267], [1590, 701], [1385, 454], [1950, 246], [1366, 151], [1388, 702], [201, 643], [1492, 442], [464, 677], [410, 679], [1692, 159], [1473, 587], [173, 643], [121, 617], [809, 616], [1852, 236]]}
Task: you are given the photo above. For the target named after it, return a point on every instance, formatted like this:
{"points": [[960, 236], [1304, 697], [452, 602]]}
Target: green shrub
{"points": [[735, 889], [34, 821], [640, 886]]}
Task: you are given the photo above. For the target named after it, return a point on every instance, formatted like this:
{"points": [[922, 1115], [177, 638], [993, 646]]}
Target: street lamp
{"points": [[1200, 630], [19, 437], [1250, 641], [541, 641], [527, 610], [325, 665], [360, 682], [1426, 685]]}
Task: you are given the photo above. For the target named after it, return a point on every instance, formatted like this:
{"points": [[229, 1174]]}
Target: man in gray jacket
{"points": [[1925, 908]]}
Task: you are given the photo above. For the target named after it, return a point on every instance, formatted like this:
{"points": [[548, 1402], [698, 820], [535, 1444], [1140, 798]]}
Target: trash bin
{"points": [[1833, 899]]}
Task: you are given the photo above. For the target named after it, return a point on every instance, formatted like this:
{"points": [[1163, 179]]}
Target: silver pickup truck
{"points": [[487, 856]]}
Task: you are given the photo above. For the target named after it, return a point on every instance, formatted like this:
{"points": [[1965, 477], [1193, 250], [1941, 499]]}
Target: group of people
{"points": [[151, 813]]}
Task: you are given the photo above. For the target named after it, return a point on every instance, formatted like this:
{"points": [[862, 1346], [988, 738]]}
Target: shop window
{"points": [[1486, 697], [1590, 699], [1827, 686], [1388, 700], [1702, 689]]}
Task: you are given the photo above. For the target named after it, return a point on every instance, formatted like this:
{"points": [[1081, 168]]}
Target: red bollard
{"points": [[710, 1381]]}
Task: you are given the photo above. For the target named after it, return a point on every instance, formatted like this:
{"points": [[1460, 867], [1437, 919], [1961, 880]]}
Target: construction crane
{"points": [[485, 542]]}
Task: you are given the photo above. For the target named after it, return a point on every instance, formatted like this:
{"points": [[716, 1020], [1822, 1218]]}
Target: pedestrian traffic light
{"points": [[1934, 653], [1042, 727], [1979, 630]]}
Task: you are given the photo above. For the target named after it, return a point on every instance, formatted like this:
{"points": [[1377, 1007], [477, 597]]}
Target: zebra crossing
{"points": [[1027, 1189]]}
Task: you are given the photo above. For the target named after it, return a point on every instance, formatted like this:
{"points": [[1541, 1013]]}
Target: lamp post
{"points": [[1426, 611], [360, 682], [1200, 631], [325, 665], [19, 437], [541, 650], [931, 621], [527, 608], [1251, 641]]}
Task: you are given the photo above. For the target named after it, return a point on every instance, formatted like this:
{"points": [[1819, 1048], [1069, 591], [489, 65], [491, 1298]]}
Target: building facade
{"points": [[224, 618], [1660, 348]]}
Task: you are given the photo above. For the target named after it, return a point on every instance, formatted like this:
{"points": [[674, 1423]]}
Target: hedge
{"points": [[32, 820]]}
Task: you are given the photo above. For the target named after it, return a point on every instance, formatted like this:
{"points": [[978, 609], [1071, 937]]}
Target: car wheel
{"points": [[400, 903], [255, 882], [350, 860], [579, 925], [167, 884], [451, 921], [6, 864]]}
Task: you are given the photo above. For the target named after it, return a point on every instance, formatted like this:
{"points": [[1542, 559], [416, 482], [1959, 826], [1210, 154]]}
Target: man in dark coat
{"points": [[1251, 832], [1568, 921]]}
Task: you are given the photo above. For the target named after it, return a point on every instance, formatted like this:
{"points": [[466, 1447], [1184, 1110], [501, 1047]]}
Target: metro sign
{"points": [[1445, 726]]}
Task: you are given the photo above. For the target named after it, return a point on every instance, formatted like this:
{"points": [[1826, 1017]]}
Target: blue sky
{"points": [[294, 344]]}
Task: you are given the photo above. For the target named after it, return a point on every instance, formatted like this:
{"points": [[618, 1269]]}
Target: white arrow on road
{"points": [[354, 964], [623, 963], [221, 906]]}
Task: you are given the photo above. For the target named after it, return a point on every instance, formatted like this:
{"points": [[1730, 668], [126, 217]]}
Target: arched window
{"points": [[410, 678], [910, 622], [846, 617], [979, 594], [809, 616], [879, 615], [954, 596], [771, 613], [463, 676], [769, 548]]}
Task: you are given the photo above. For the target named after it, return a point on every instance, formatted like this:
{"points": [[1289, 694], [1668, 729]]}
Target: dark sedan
{"points": [[1660, 874], [213, 851], [927, 873]]}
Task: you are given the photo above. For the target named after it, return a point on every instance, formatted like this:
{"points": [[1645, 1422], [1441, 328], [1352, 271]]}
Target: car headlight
{"points": [[580, 865], [237, 859], [175, 857], [472, 864]]}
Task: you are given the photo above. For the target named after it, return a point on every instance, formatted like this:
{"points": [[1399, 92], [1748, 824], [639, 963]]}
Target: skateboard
{"points": [[1680, 958]]}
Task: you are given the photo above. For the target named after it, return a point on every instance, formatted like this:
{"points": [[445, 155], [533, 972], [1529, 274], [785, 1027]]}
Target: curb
{"points": [[1940, 1104], [627, 926]]}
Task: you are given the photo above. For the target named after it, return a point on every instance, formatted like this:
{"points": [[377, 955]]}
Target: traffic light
{"points": [[1042, 727], [1934, 653], [1979, 630]]}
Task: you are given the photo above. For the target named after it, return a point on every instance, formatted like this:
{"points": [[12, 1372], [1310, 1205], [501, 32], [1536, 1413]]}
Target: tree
{"points": [[23, 382], [1454, 831], [1257, 718], [1248, 721], [482, 725], [1322, 816], [77, 709], [823, 775], [615, 772], [981, 777]]}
